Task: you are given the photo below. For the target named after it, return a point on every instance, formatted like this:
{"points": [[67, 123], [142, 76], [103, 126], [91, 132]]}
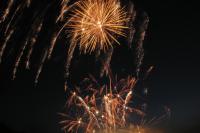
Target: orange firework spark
{"points": [[95, 24], [6, 11]]}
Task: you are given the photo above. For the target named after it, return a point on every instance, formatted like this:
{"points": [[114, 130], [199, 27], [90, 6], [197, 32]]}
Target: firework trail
{"points": [[3, 46], [28, 3], [10, 28], [106, 61], [17, 62], [31, 40], [6, 11], [68, 62], [38, 26], [139, 38], [132, 15], [148, 72], [7, 34], [64, 8], [127, 100], [29, 43], [46, 51], [52, 43], [41, 64], [16, 13], [87, 108]]}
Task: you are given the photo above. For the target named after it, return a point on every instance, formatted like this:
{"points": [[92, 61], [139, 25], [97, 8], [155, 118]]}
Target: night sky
{"points": [[171, 46]]}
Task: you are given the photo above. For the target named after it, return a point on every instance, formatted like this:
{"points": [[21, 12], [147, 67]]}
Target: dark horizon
{"points": [[171, 46]]}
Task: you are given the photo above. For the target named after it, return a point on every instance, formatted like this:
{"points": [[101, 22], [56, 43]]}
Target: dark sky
{"points": [[171, 45]]}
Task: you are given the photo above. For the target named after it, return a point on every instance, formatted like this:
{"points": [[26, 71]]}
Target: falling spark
{"points": [[52, 44], [132, 15], [140, 35], [63, 10], [106, 61], [68, 62], [41, 64], [18, 60], [10, 27], [127, 100], [6, 11], [34, 35], [148, 72], [35, 32], [3, 46], [13, 16], [28, 3]]}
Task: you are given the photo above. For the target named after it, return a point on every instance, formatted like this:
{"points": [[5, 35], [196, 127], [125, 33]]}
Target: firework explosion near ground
{"points": [[93, 107], [95, 26]]}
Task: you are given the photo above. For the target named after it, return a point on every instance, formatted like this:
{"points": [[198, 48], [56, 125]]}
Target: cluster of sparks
{"points": [[102, 109], [96, 23], [95, 108]]}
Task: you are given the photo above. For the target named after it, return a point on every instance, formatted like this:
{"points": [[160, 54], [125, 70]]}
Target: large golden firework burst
{"points": [[96, 24]]}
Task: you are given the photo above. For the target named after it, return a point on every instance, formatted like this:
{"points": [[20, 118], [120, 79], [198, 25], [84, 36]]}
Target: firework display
{"points": [[94, 26], [106, 108]]}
